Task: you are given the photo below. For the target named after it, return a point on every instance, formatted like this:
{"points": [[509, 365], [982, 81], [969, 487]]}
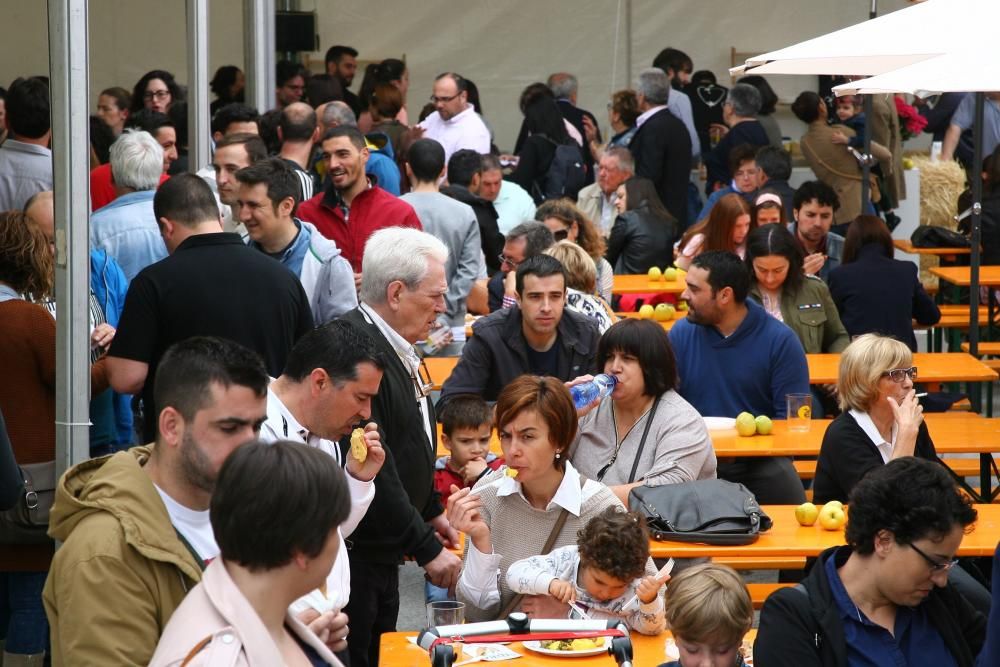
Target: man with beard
{"points": [[734, 357], [135, 525], [813, 207]]}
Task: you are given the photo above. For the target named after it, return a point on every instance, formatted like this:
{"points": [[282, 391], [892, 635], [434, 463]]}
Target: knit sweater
{"points": [[519, 530], [677, 448]]}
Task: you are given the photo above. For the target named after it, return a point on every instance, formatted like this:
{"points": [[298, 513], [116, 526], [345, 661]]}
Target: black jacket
{"points": [[640, 239], [878, 294], [497, 353], [495, 290], [395, 525], [801, 626], [717, 160], [848, 454], [575, 115], [662, 150], [489, 232]]}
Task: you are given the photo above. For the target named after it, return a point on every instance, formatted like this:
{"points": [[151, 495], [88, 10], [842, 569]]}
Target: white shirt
{"points": [[513, 205], [281, 424], [608, 212], [463, 130], [479, 580], [193, 525], [868, 426], [411, 361], [644, 116]]}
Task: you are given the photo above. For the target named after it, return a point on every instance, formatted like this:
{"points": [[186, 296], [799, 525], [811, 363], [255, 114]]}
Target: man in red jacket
{"points": [[354, 206]]}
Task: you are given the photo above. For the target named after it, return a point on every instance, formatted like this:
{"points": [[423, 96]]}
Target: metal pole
{"points": [[198, 118], [258, 52], [628, 41], [977, 208], [68, 63], [866, 168]]}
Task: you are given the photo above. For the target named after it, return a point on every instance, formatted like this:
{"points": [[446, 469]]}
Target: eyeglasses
{"points": [[561, 235], [936, 566], [442, 100], [504, 259], [157, 94], [423, 383], [899, 374]]}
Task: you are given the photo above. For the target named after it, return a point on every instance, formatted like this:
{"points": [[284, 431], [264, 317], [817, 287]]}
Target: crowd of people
{"points": [[286, 294]]}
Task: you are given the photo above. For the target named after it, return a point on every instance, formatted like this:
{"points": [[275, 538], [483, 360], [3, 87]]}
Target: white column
{"points": [[199, 121], [258, 50]]}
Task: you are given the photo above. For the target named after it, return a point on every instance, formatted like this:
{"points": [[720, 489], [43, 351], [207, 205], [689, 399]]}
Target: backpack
{"points": [[566, 175]]}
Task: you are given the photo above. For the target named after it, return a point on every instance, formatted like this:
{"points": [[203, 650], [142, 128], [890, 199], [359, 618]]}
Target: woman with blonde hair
{"points": [[725, 228], [881, 417], [567, 222], [581, 279]]}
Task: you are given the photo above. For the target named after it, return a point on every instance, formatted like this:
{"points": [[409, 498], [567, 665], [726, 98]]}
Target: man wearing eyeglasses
{"points": [[526, 240], [403, 292], [455, 123]]}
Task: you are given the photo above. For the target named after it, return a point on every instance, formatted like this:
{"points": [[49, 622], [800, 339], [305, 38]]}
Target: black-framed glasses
{"points": [[157, 94], [504, 259], [900, 374], [561, 235], [442, 100], [936, 566]]}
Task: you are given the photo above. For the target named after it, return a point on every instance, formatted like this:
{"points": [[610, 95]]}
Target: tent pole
{"points": [[68, 60], [258, 53], [198, 119], [977, 198], [866, 168]]}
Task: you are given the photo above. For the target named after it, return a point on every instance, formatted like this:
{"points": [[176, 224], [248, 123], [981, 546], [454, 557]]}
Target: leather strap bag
{"points": [[707, 511], [28, 521]]}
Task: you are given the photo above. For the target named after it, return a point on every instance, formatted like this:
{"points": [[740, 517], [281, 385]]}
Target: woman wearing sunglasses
{"points": [[888, 597], [880, 418]]}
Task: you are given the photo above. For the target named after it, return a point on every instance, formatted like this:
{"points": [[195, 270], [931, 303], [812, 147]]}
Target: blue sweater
{"points": [[990, 655], [750, 371]]}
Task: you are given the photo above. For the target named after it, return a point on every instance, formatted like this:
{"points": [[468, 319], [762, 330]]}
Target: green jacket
{"points": [[122, 570], [812, 315]]}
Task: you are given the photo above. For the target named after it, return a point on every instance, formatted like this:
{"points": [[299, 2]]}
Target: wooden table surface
{"points": [[952, 432], [641, 284], [906, 246], [788, 539], [396, 651], [989, 276], [931, 367]]}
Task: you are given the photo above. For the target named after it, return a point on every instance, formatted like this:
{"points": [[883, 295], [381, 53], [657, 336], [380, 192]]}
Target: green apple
{"points": [[832, 516], [654, 273], [745, 424], [764, 425], [664, 312], [646, 312], [806, 514], [670, 274]]}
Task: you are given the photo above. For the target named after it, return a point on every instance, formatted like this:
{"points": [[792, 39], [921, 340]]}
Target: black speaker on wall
{"points": [[295, 31]]}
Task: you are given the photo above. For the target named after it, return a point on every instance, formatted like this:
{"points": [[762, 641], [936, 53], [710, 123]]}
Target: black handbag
{"points": [[707, 511], [931, 236], [28, 521]]}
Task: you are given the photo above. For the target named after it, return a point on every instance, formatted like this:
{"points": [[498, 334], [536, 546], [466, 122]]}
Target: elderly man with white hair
{"points": [[662, 145], [403, 288], [126, 228]]}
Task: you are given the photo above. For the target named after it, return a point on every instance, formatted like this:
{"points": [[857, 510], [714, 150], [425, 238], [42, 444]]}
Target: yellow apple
{"points": [[764, 425], [646, 312], [682, 306], [670, 274], [745, 424], [663, 312], [654, 273], [832, 516], [806, 514]]}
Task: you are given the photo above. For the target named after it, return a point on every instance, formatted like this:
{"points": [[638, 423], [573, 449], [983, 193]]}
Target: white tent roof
{"points": [[889, 42], [952, 72]]}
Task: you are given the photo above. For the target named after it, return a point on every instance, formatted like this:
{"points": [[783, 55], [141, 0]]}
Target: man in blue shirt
{"points": [[733, 357]]}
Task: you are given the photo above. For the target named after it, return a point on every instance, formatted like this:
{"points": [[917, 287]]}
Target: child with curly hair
{"points": [[607, 574]]}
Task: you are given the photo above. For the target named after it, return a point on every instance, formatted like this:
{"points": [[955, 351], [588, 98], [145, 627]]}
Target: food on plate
{"points": [[358, 448], [572, 644]]}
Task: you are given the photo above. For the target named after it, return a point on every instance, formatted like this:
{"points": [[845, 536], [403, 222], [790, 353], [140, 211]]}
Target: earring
{"points": [[558, 456]]}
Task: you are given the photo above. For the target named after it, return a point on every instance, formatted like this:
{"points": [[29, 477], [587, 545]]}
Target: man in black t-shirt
{"points": [[537, 336], [210, 285]]}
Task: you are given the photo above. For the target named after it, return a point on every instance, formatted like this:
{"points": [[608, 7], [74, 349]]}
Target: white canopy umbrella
{"points": [[962, 71]]}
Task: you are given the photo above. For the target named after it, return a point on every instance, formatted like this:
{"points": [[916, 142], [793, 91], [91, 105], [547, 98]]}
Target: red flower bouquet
{"points": [[911, 123]]}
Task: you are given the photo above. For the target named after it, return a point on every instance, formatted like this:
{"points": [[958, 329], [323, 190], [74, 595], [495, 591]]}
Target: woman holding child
{"points": [[643, 433], [508, 518]]}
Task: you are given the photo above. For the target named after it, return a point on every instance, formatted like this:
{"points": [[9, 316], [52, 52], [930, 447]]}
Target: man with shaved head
{"points": [[299, 132]]}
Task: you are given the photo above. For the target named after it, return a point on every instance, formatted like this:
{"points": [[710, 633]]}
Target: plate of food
{"points": [[569, 648]]}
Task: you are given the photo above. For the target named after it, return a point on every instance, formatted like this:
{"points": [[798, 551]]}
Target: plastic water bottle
{"points": [[585, 394]]}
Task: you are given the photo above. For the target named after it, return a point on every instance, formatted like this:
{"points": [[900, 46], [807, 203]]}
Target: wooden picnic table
{"points": [[641, 284], [932, 367], [648, 651], [948, 254], [989, 276], [787, 538]]}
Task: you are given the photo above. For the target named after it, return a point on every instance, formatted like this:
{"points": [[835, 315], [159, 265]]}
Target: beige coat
{"points": [[836, 166], [885, 132], [216, 626]]}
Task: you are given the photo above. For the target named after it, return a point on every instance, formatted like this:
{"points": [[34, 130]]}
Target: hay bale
{"points": [[940, 185]]}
